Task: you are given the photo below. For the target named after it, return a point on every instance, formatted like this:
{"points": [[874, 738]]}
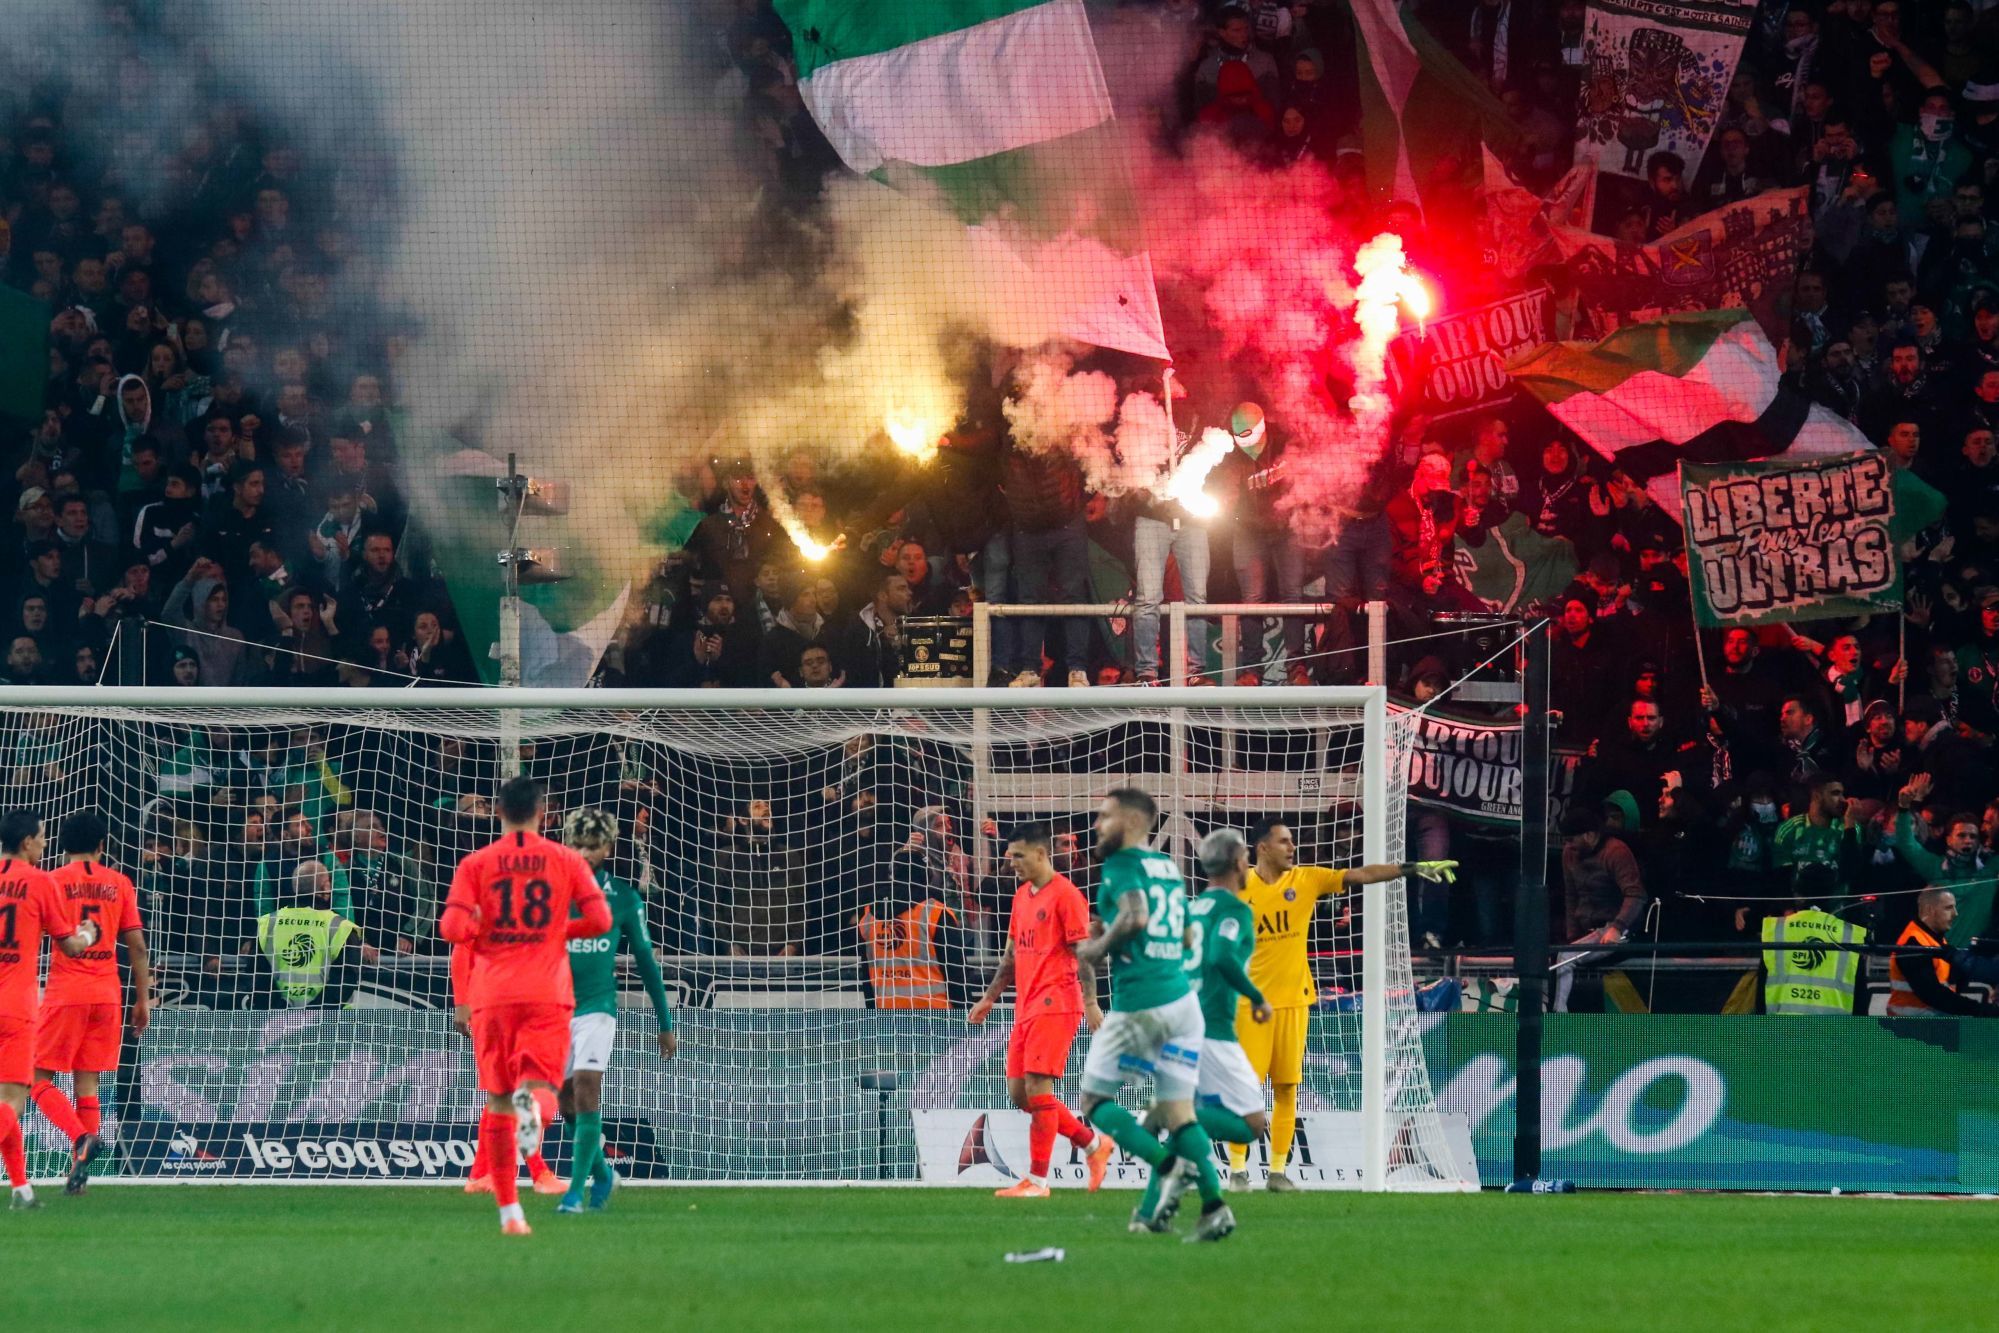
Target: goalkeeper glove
{"points": [[1442, 872]]}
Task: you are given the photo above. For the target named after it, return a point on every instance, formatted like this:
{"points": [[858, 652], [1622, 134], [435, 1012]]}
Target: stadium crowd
{"points": [[208, 493]]}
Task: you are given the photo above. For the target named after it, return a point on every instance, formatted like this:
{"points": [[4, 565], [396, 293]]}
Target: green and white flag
{"points": [[1513, 565], [24, 355], [565, 626], [1419, 104], [1000, 108], [1696, 387]]}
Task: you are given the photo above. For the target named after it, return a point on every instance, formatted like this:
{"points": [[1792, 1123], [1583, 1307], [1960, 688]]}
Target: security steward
{"points": [[308, 956], [1802, 975], [1920, 984]]}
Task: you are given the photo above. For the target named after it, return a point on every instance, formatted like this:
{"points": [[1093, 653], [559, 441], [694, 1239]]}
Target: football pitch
{"points": [[356, 1258]]}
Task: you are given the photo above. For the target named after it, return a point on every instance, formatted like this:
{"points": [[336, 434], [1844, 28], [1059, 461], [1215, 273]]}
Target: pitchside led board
{"points": [[989, 1148], [1775, 541]]}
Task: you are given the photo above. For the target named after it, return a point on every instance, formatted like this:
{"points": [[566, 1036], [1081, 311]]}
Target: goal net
{"points": [[760, 838]]}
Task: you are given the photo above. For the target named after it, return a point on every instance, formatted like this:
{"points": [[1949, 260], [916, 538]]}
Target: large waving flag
{"points": [[1419, 104], [565, 627], [1000, 108], [1699, 387]]}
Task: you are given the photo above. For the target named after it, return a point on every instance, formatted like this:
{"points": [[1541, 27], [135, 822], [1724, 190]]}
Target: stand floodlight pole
{"points": [[513, 490], [1530, 917]]}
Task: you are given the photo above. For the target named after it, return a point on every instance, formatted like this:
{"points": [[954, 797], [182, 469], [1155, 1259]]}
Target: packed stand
{"points": [[215, 476]]}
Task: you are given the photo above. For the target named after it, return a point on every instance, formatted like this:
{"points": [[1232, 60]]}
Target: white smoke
{"points": [[572, 235]]}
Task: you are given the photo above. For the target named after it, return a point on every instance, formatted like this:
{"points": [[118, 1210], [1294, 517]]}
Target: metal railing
{"points": [[1174, 617]]}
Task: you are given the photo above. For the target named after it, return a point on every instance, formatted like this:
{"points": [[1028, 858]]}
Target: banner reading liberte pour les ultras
{"points": [[1772, 541]]}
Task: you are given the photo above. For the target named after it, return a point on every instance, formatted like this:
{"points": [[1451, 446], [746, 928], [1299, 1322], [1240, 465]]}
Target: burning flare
{"points": [[910, 432], [787, 518], [1192, 474], [1388, 286]]}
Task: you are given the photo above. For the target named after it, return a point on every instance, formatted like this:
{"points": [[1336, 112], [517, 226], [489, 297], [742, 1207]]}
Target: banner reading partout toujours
{"points": [[1776, 541]]}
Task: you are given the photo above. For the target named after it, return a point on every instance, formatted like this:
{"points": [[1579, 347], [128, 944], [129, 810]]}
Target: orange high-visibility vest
{"points": [[902, 957], [1903, 1002]]}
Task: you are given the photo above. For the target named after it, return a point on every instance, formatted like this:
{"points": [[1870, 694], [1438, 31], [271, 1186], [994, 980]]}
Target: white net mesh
{"points": [[756, 836]]}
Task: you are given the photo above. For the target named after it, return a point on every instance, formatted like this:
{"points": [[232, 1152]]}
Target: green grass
{"points": [[243, 1257]]}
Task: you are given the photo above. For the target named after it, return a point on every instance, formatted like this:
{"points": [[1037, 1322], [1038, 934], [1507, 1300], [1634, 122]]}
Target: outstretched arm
{"points": [[1442, 871]]}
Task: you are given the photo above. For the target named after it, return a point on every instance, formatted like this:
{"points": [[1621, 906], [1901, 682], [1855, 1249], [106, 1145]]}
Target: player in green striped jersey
{"points": [[593, 967]]}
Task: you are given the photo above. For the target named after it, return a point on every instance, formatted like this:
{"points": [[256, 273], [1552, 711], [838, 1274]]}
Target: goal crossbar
{"points": [[841, 700]]}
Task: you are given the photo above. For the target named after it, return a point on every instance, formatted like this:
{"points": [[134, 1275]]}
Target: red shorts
{"points": [[17, 1051], [72, 1037], [514, 1043], [1039, 1044]]}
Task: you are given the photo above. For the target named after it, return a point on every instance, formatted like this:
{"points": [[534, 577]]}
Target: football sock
{"points": [[551, 1108], [1127, 1133], [1225, 1126], [589, 1154], [1041, 1134], [499, 1145], [537, 1165], [55, 1109], [1191, 1142], [90, 1110], [1283, 1124], [1069, 1127], [13, 1154]]}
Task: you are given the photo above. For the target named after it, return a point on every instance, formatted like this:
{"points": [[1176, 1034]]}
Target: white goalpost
{"points": [[760, 828]]}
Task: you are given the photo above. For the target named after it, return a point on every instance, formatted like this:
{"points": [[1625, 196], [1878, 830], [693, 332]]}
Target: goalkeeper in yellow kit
{"points": [[1282, 896]]}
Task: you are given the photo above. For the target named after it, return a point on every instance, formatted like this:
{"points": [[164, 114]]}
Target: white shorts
{"points": [[591, 1037], [1163, 1044], [1227, 1080]]}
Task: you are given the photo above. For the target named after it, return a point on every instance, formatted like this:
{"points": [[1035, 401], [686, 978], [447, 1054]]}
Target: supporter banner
{"points": [[988, 1148], [1458, 364], [1657, 78], [1739, 256], [1667, 1101], [1472, 769], [1769, 542], [1520, 224]]}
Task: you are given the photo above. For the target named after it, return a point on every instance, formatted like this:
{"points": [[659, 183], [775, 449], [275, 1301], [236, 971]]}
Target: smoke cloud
{"points": [[561, 205]]}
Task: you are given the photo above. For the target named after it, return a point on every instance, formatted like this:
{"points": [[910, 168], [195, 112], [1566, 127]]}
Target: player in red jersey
{"points": [[80, 1028], [508, 915], [31, 906], [1050, 918]]}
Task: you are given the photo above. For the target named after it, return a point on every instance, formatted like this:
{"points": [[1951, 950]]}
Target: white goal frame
{"points": [[510, 702]]}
